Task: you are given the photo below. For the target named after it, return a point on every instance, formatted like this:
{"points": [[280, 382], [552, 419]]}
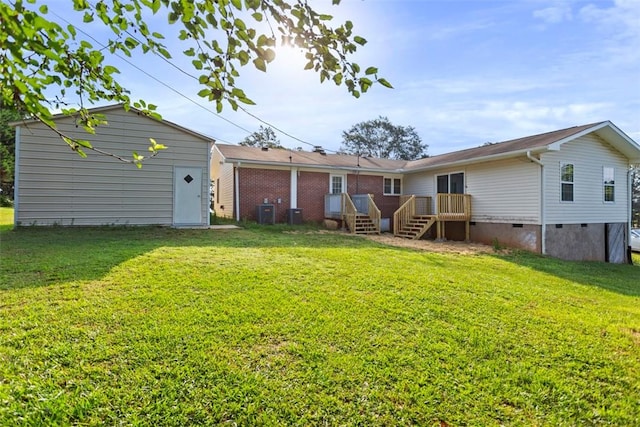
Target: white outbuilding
{"points": [[55, 186]]}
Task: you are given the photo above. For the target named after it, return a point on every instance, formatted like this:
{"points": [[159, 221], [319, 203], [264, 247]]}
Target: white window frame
{"points": [[448, 175], [393, 186], [344, 183], [612, 185], [572, 182]]}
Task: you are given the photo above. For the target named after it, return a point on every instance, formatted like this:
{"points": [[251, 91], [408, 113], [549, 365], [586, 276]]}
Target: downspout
{"points": [[210, 145], [237, 190], [543, 226], [629, 212], [16, 180], [293, 190]]}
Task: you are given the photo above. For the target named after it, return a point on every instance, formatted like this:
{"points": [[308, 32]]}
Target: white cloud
{"points": [[554, 14], [620, 27]]}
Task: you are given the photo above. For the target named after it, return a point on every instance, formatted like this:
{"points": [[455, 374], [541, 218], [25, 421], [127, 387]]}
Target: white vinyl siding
{"points": [[420, 184], [56, 186], [589, 154], [506, 191], [222, 173]]}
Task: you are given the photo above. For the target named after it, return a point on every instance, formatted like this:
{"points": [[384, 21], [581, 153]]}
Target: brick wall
{"points": [[259, 184], [370, 184], [312, 186]]}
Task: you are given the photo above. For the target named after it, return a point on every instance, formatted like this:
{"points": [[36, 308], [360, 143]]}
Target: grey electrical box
{"points": [[294, 216], [266, 214]]}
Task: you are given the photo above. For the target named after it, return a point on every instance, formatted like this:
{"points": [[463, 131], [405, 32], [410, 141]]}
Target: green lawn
{"points": [[155, 326]]}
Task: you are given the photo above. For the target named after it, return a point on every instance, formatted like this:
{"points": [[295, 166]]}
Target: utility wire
{"points": [[186, 73], [158, 80]]}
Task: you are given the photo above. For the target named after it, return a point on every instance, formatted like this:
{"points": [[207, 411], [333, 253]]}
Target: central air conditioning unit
{"points": [[266, 213]]}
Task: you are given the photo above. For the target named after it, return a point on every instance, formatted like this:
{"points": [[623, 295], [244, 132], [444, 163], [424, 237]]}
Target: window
{"points": [[566, 182], [451, 183], [609, 184], [392, 186], [337, 184]]}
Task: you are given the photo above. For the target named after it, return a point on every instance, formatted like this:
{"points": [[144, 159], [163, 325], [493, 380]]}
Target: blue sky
{"points": [[464, 73]]}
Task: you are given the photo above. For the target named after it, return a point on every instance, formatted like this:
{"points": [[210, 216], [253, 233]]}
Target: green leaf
{"points": [[239, 23], [236, 3], [257, 16], [44, 9], [371, 70], [260, 64], [360, 40], [385, 83], [84, 143]]}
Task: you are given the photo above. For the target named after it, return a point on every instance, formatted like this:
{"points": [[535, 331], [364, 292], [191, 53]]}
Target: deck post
{"points": [[466, 231]]}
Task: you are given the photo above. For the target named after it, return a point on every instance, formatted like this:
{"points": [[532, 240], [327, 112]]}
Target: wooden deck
{"points": [[364, 219], [414, 216]]}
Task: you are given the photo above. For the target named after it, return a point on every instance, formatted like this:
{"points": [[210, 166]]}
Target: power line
{"points": [[158, 80], [196, 79]]}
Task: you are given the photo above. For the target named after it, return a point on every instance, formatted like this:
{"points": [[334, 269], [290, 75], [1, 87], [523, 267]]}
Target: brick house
{"points": [[245, 177], [564, 193]]}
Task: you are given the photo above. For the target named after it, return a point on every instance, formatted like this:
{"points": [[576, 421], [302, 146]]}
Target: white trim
{"points": [[384, 193], [543, 225], [572, 182], [604, 185], [209, 199], [448, 174], [344, 182], [16, 179], [293, 188], [236, 183]]}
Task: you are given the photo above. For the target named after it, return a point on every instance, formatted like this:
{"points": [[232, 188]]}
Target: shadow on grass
{"points": [[41, 256], [620, 278]]}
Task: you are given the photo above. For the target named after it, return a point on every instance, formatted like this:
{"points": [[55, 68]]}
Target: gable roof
{"points": [[549, 141], [285, 157], [120, 107], [497, 150]]}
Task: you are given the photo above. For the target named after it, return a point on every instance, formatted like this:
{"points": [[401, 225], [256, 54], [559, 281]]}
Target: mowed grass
{"points": [[264, 326]]}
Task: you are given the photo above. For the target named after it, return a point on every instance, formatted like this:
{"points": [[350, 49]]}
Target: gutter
{"points": [[543, 226], [308, 166]]}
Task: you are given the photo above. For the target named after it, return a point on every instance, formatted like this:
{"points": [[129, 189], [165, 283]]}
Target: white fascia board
{"points": [[613, 135], [474, 160]]}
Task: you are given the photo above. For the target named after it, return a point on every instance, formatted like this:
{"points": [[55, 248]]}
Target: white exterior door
{"points": [[336, 188], [187, 198]]}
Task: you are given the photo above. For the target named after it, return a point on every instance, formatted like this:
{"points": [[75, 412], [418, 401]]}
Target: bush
{"points": [[5, 201]]}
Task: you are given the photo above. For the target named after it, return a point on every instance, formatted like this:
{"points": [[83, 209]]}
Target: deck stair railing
{"points": [[363, 221], [374, 214], [349, 212], [414, 218]]}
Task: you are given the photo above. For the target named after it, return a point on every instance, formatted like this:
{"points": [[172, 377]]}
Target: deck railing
{"points": [[454, 207], [404, 213], [374, 212], [349, 212]]}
